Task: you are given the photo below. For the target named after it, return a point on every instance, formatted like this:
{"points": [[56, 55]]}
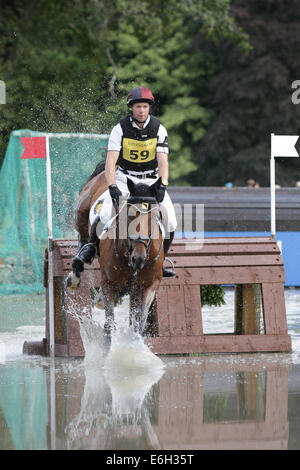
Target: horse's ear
{"points": [[130, 185]]}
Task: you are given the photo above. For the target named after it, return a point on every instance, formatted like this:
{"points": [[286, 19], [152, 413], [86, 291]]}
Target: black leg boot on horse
{"points": [[167, 244], [85, 254]]}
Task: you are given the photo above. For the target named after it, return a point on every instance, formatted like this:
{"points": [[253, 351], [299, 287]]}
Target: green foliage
{"points": [[251, 96], [212, 295], [68, 66], [215, 407], [162, 56]]}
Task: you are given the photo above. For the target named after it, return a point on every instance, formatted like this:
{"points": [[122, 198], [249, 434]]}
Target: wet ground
{"points": [[217, 401]]}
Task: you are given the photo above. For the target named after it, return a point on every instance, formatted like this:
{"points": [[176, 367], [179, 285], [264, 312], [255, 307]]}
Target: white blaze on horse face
{"points": [[139, 226], [138, 229]]}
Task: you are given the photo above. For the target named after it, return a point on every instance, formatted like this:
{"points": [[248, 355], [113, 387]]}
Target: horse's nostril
{"points": [[137, 262]]}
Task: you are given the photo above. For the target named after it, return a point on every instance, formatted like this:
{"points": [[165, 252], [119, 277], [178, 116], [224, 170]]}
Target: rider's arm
{"points": [[162, 153], [163, 167], [114, 147], [110, 166]]}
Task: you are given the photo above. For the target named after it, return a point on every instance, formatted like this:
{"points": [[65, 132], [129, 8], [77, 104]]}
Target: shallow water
{"points": [[133, 400]]}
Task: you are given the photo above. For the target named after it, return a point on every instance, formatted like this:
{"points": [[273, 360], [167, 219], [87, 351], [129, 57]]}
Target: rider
{"points": [[137, 148]]}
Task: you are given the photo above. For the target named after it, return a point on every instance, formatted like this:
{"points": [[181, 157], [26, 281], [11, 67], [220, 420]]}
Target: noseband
{"points": [[146, 241]]}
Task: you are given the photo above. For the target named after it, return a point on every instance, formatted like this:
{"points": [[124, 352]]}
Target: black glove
{"points": [[115, 193], [160, 193]]}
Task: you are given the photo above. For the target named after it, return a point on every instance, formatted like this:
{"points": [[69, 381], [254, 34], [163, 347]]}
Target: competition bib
{"points": [[139, 151]]}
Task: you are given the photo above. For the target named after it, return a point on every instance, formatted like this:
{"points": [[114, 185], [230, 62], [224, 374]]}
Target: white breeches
{"points": [[103, 206]]}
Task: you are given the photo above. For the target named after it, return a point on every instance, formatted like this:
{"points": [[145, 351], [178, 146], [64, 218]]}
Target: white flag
{"points": [[284, 145]]}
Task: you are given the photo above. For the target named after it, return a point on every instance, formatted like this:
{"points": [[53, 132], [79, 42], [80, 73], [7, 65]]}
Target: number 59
{"points": [[143, 155]]}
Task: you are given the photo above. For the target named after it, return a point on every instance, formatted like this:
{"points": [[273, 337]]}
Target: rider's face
{"points": [[140, 111]]}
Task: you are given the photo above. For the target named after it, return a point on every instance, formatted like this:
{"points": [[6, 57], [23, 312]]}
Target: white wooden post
{"points": [[50, 251]]}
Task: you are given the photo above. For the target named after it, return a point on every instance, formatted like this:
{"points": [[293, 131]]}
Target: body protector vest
{"points": [[138, 148]]}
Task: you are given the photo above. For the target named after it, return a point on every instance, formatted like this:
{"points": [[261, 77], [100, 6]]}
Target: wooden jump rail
{"points": [[253, 264]]}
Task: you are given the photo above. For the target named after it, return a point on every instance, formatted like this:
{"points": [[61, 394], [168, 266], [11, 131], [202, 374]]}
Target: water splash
{"points": [[113, 406], [128, 351], [93, 339], [129, 390], [117, 395]]}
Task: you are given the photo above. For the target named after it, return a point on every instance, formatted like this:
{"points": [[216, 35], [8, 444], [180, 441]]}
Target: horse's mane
{"points": [[99, 168]]}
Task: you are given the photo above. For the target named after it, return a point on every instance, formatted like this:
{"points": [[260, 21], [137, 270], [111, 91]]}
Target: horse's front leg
{"points": [[73, 279], [141, 299], [107, 295]]}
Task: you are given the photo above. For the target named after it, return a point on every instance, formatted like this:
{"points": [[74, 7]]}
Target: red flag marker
{"points": [[35, 147]]}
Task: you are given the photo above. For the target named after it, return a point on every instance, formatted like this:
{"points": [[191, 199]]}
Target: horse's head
{"points": [[143, 221], [143, 191]]}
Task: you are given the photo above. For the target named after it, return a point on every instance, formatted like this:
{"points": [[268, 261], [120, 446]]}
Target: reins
{"points": [[138, 239]]}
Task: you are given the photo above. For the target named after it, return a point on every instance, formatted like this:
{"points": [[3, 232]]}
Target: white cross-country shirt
{"points": [[115, 138]]}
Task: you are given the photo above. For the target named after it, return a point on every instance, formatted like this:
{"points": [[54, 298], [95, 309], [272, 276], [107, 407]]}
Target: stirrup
{"points": [[166, 271]]}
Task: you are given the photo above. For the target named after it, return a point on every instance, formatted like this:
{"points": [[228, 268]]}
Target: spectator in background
{"points": [[252, 184]]}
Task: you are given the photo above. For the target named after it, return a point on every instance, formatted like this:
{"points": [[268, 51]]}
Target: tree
{"points": [[158, 51], [250, 97], [68, 66]]}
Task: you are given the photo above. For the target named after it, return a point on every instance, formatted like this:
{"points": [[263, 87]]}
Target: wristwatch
{"points": [[165, 182]]}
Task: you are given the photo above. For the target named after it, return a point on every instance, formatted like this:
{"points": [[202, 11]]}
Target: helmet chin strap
{"points": [[139, 122]]}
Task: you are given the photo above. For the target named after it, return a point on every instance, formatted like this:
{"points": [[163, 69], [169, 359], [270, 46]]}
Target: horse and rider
{"points": [[136, 170]]}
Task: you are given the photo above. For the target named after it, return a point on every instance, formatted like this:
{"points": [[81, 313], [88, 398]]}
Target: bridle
{"points": [[132, 241]]}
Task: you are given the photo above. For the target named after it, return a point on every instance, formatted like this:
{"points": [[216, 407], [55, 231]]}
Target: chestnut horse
{"points": [[132, 255], [131, 249]]}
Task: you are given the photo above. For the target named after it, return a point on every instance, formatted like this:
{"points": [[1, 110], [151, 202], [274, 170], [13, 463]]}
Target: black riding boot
{"points": [[87, 250], [167, 244], [77, 264]]}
